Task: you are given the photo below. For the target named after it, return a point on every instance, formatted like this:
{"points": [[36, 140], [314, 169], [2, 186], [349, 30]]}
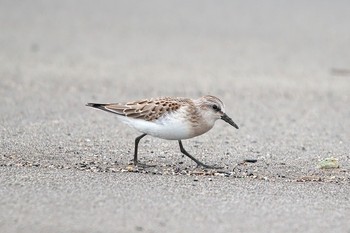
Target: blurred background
{"points": [[179, 47]]}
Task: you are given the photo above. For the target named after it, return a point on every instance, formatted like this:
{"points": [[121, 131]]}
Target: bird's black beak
{"points": [[229, 120]]}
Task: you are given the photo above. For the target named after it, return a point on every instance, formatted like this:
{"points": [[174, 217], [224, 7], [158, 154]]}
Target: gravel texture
{"points": [[281, 67]]}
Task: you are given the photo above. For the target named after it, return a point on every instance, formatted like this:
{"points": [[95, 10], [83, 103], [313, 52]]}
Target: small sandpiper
{"points": [[171, 118]]}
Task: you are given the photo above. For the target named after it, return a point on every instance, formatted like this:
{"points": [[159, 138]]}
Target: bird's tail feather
{"points": [[94, 105], [104, 107]]}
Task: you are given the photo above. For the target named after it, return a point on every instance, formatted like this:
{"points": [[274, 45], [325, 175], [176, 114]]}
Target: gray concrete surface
{"points": [[281, 67]]}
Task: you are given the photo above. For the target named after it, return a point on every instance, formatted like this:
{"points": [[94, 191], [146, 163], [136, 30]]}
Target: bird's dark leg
{"points": [[137, 140], [136, 163], [199, 163]]}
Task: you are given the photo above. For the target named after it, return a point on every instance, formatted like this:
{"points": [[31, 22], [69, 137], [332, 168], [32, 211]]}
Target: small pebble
{"points": [[329, 163], [250, 160]]}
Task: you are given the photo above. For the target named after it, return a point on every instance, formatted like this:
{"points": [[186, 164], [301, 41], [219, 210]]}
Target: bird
{"points": [[170, 118]]}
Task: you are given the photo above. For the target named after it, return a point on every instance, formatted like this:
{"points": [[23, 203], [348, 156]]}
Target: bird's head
{"points": [[214, 109]]}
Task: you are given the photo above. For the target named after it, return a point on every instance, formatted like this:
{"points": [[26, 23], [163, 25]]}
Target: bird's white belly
{"points": [[167, 128]]}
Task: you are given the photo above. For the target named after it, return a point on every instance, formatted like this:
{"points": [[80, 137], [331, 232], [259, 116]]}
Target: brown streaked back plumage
{"points": [[148, 110]]}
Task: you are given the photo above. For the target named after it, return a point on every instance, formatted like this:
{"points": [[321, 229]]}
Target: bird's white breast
{"points": [[171, 127]]}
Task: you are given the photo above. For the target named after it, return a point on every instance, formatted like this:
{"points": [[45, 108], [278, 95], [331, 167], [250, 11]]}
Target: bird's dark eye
{"points": [[215, 107]]}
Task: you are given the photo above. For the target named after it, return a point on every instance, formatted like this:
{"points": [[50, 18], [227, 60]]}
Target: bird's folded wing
{"points": [[145, 109]]}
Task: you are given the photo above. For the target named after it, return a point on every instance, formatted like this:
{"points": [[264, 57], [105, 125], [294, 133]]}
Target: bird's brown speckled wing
{"points": [[148, 110]]}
